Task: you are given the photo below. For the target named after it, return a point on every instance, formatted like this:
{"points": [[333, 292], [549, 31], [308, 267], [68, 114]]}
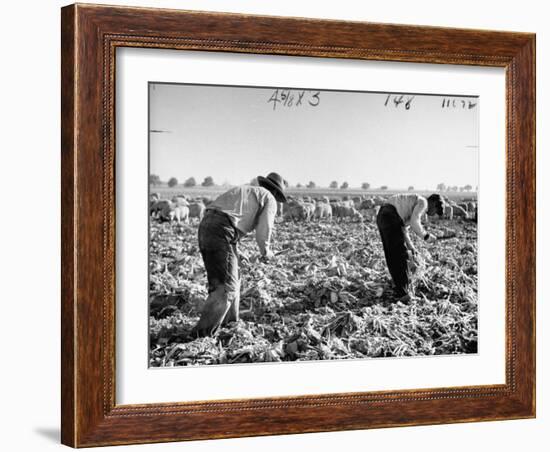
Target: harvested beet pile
{"points": [[327, 296]]}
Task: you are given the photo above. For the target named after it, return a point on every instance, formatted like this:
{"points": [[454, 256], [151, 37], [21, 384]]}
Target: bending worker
{"points": [[232, 215], [394, 219]]}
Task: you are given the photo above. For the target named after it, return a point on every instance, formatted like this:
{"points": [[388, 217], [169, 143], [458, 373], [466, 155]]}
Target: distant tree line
{"points": [[334, 184], [154, 179], [191, 182], [208, 181], [443, 187]]}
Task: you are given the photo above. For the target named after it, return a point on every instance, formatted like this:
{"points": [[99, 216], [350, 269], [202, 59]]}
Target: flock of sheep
{"points": [[322, 208], [305, 208], [180, 208], [360, 208]]}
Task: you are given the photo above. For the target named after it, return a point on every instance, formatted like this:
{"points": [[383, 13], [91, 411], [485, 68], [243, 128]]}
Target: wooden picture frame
{"points": [[90, 35]]}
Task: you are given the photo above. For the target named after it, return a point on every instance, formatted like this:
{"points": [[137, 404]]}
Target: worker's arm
{"points": [[264, 228], [408, 243], [416, 215]]}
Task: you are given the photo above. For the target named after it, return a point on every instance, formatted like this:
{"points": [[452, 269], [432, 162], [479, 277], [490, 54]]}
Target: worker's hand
{"points": [[268, 256], [431, 238], [412, 265], [243, 258]]}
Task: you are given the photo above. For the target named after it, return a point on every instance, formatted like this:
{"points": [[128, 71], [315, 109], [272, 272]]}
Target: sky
{"points": [[237, 133]]}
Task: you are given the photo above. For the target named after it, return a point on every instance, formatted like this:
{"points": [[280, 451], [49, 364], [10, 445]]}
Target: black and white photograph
{"points": [[301, 224]]}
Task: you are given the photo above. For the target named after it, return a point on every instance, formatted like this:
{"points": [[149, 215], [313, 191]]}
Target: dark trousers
{"points": [[218, 246], [392, 231]]}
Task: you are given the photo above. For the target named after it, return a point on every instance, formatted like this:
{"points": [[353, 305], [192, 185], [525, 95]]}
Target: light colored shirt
{"points": [[410, 208], [250, 208]]}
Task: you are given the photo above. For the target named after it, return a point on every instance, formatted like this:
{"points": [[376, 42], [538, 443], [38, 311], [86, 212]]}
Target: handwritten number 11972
{"points": [[458, 103]]}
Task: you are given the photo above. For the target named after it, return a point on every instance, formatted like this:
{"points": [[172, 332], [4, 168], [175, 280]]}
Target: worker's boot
{"points": [[214, 311]]}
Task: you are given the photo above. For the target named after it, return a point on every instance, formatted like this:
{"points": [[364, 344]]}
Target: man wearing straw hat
{"points": [[232, 215]]}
